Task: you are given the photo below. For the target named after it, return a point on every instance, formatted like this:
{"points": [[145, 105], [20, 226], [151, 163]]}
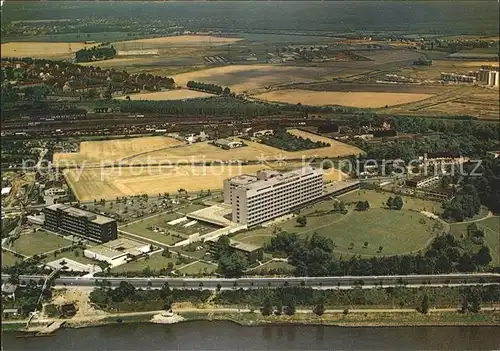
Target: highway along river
{"points": [[229, 336]]}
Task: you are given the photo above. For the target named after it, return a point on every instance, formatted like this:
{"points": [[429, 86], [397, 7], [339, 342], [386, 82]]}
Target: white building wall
{"points": [[113, 262], [259, 204]]}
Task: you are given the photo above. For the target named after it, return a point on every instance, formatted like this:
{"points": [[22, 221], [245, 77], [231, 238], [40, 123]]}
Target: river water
{"points": [[229, 336]]}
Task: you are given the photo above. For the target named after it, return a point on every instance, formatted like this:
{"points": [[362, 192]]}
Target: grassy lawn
{"points": [[141, 228], [190, 208], [258, 236], [39, 242], [9, 259], [75, 255], [154, 262], [377, 199], [396, 231], [273, 265], [491, 227], [198, 268]]}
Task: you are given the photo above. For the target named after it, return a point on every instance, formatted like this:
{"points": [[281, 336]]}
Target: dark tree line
{"points": [[231, 262], [313, 256], [289, 142], [209, 88], [128, 297], [95, 54], [272, 299]]}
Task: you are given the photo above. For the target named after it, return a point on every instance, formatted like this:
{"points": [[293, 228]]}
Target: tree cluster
{"points": [[209, 88], [465, 204], [126, 297], [273, 300], [231, 262], [362, 206], [313, 256], [289, 142], [395, 203], [95, 53]]}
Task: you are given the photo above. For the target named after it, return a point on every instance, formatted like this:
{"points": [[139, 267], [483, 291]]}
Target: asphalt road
{"points": [[344, 282]]}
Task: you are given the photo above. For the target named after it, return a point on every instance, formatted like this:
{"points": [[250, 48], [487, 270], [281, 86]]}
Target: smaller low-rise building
{"points": [[67, 265], [422, 181], [253, 253], [228, 144], [6, 191], [118, 252]]}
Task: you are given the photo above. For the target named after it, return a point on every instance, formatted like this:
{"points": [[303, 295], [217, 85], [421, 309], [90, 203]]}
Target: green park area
{"points": [[491, 229], [378, 231], [143, 228], [154, 262], [273, 266], [9, 259], [168, 234], [378, 199], [39, 242], [76, 255], [198, 268]]}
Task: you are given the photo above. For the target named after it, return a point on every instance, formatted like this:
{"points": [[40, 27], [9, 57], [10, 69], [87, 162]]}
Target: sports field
{"points": [[38, 243], [200, 152], [491, 228], [178, 94], [114, 150], [371, 99], [95, 183], [167, 151], [42, 49], [179, 40]]}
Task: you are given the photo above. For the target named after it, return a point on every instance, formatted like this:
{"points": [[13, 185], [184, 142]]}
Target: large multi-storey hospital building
{"points": [[74, 221], [256, 199]]}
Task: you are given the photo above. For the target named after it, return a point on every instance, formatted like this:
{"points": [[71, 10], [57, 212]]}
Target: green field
{"points": [[154, 262], [273, 265], [491, 227], [397, 232], [9, 259], [75, 255], [198, 268], [174, 233], [141, 228], [377, 199], [38, 243]]}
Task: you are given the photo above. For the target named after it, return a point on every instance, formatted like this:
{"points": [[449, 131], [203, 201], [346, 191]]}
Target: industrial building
{"points": [[270, 194], [74, 221]]}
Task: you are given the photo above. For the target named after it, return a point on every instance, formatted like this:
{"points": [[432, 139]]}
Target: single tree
{"points": [[424, 306], [267, 307], [319, 308]]}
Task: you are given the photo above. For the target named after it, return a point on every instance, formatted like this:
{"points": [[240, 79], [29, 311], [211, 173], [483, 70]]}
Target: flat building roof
{"points": [[279, 178], [77, 212]]}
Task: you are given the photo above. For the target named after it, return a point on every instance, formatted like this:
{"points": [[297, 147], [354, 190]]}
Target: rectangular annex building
{"points": [[74, 221], [271, 194]]}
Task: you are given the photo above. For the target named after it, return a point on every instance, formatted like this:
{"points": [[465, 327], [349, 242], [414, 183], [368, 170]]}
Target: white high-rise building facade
{"points": [[270, 194]]}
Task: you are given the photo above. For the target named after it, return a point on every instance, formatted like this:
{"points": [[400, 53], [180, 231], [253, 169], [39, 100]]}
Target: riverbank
{"points": [[357, 318]]}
